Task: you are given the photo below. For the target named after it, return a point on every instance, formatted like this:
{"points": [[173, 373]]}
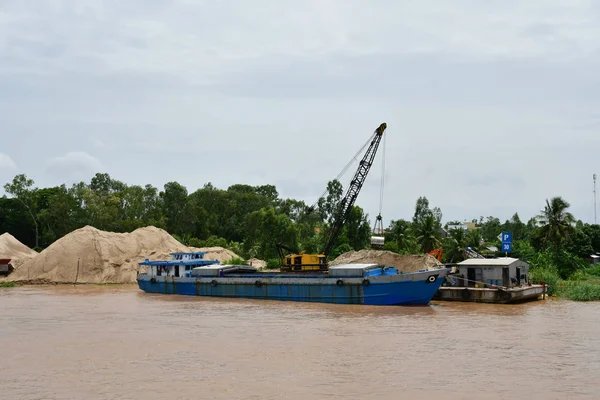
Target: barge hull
{"points": [[320, 290], [489, 295]]}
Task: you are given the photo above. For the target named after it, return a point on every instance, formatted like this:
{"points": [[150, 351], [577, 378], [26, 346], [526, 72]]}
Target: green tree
{"points": [[15, 218], [455, 245], [21, 189], [556, 222], [491, 228], [421, 210], [579, 244], [593, 232], [473, 239], [518, 228], [176, 208], [56, 213], [265, 229], [427, 225], [356, 230], [329, 205], [398, 235], [428, 233]]}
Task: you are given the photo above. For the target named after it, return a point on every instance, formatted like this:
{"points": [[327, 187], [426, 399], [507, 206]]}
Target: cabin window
{"points": [[187, 267]]}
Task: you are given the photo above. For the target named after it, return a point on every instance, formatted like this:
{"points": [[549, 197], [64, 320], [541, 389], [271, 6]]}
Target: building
{"points": [[506, 271], [594, 258], [467, 226]]}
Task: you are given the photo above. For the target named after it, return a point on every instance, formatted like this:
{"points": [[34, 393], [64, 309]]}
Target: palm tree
{"points": [[556, 222], [454, 246], [428, 233]]}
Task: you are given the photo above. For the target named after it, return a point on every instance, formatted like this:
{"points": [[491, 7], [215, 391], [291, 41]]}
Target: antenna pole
{"points": [[595, 216]]}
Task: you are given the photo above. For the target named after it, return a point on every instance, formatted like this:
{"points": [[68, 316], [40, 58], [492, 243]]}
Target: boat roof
{"points": [[211, 266], [503, 261], [356, 266], [199, 261], [188, 252]]}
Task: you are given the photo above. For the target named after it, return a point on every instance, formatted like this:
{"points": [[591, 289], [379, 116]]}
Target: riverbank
{"points": [[581, 286]]}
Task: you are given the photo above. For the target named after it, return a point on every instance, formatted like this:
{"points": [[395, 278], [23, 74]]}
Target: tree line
{"points": [[252, 220], [249, 220]]}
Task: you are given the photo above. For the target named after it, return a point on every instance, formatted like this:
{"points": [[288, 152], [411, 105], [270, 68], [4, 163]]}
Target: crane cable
{"points": [[382, 181], [352, 161], [379, 219]]}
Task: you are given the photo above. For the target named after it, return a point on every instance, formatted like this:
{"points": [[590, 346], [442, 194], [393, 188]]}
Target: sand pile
{"points": [[216, 253], [257, 263], [404, 263], [89, 255], [11, 248]]}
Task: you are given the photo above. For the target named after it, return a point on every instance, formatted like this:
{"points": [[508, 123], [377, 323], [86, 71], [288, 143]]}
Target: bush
{"points": [[581, 291], [7, 284], [548, 275], [593, 270], [564, 263], [236, 261], [274, 263], [579, 276]]}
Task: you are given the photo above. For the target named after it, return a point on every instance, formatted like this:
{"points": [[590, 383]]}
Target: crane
{"points": [[318, 262]]}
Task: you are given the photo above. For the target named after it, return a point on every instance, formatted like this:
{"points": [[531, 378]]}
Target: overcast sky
{"points": [[492, 106]]}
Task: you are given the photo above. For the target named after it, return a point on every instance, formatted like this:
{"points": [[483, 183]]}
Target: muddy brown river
{"points": [[101, 342]]}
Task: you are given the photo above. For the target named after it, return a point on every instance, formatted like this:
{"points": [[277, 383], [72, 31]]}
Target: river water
{"points": [[99, 342]]}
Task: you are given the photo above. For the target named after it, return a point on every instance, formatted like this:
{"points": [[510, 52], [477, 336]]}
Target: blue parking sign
{"points": [[506, 237], [507, 247]]}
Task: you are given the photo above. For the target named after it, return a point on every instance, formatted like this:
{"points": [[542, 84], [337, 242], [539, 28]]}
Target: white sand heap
{"points": [[89, 255], [404, 263], [11, 248]]}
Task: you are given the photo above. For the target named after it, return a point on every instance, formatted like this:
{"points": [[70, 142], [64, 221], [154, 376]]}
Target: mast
{"points": [[595, 217]]}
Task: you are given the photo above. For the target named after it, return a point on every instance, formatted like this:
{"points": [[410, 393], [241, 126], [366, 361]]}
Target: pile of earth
{"points": [[404, 263], [215, 253], [257, 263], [89, 255], [17, 252]]}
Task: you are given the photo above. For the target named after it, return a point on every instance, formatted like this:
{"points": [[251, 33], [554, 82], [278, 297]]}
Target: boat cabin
{"points": [[507, 272], [181, 264], [196, 255]]}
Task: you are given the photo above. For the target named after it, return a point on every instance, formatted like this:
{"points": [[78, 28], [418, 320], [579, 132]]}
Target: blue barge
{"points": [[369, 284]]}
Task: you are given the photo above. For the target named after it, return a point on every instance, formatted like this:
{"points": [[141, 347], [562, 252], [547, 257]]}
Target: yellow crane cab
{"points": [[304, 262]]}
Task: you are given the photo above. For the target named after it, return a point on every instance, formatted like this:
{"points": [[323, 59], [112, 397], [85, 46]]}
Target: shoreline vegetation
{"points": [[251, 220]]}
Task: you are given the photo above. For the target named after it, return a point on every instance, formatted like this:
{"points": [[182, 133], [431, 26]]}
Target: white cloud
{"points": [[205, 41], [6, 162], [74, 166]]}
